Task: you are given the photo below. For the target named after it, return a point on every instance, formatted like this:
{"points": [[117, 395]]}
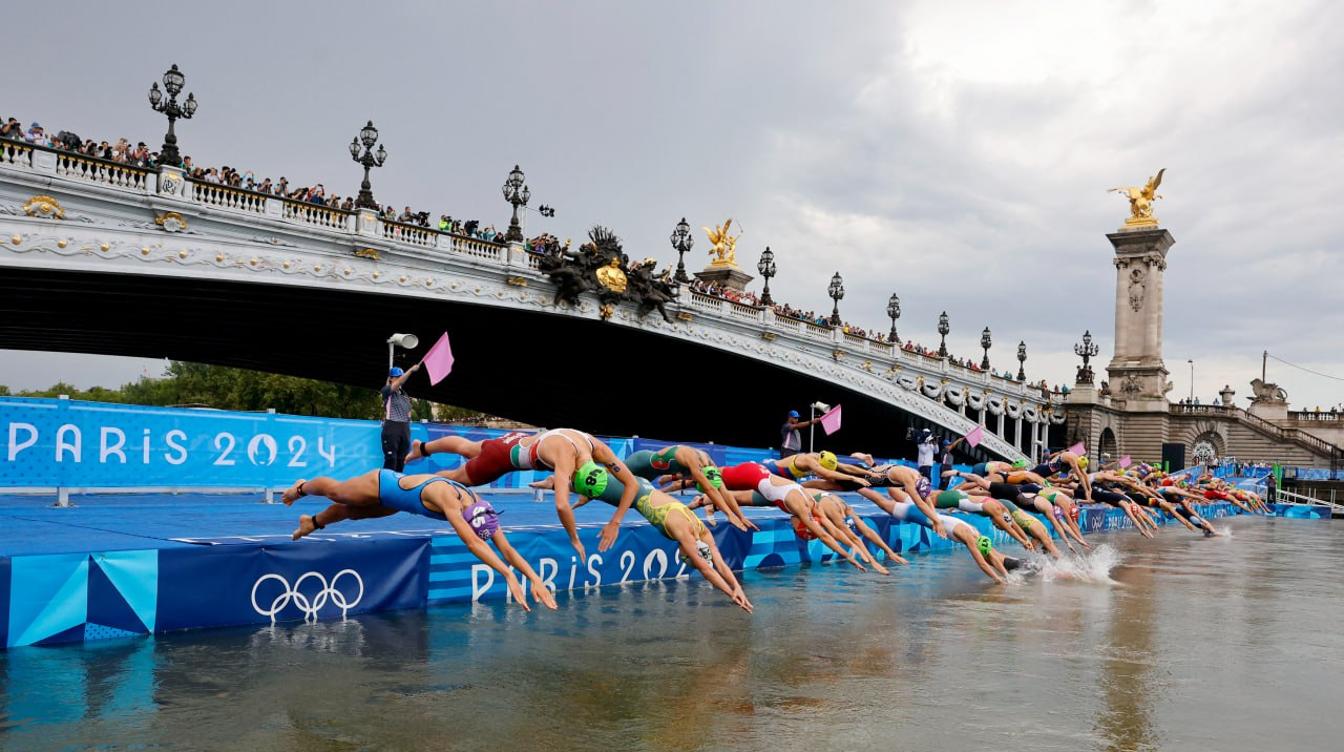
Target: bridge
{"points": [[109, 258]]}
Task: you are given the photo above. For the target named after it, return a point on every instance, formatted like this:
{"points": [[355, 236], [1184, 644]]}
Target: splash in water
{"points": [[1093, 567]]}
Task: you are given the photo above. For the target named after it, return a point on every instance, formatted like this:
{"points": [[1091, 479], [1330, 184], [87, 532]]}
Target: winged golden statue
{"points": [[724, 245], [1141, 201]]}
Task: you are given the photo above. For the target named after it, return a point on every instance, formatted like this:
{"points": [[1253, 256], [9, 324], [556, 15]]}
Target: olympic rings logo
{"points": [[308, 605]]}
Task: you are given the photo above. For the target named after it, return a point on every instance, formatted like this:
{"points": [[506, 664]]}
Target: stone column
{"points": [[1138, 375]]}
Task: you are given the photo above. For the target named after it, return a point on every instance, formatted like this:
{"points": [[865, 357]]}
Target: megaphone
{"points": [[821, 407], [404, 341]]}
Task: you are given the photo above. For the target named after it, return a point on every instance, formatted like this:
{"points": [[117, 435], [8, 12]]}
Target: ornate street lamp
{"points": [[943, 329], [893, 313], [986, 341], [1087, 350], [682, 241], [172, 83], [837, 292], [368, 136], [517, 193], [766, 266], [1021, 361]]}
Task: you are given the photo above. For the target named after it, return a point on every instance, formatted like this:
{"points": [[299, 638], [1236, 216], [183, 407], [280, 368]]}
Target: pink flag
{"points": [[830, 422], [976, 436], [1078, 449], [439, 360], [1126, 461]]}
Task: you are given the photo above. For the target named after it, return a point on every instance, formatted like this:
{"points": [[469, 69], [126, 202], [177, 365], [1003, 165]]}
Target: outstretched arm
{"points": [[803, 513], [540, 591], [482, 551], [631, 485], [564, 472]]}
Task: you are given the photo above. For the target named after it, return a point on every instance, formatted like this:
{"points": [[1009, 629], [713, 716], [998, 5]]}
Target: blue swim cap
{"points": [[395, 371]]}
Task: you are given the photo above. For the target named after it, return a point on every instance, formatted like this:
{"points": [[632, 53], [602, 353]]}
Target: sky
{"points": [[955, 153]]}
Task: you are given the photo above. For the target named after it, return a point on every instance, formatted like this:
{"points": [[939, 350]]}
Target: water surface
{"points": [[1190, 644]]}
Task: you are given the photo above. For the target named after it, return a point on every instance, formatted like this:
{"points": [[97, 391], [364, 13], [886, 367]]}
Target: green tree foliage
{"points": [[199, 385]]}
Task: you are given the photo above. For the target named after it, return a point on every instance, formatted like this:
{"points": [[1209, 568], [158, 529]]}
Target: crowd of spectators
{"points": [[122, 152], [785, 310]]}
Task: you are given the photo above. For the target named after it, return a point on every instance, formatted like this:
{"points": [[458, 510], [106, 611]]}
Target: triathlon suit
{"points": [[393, 496], [884, 477], [656, 515], [799, 528], [1022, 519], [1008, 491], [955, 499], [529, 457], [650, 464], [753, 476], [495, 460], [1047, 469], [789, 471]]}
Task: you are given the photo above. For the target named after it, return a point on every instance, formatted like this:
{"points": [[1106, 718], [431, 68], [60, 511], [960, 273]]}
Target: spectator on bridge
{"points": [[396, 419], [790, 440], [12, 129], [36, 135]]}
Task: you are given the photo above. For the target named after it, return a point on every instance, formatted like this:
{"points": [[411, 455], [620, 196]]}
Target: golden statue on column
{"points": [[1141, 200], [723, 246]]}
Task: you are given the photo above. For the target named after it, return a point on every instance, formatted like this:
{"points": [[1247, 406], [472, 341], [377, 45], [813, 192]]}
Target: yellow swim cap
{"points": [[1082, 463], [829, 461]]}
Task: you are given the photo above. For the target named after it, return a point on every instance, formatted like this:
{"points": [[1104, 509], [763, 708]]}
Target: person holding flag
{"points": [[396, 418]]}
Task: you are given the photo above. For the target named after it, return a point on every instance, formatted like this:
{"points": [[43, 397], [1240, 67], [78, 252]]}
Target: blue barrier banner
{"points": [[55, 442], [231, 585]]}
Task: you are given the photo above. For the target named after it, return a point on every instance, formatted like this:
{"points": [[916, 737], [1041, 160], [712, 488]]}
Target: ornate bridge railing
{"points": [[345, 243]]}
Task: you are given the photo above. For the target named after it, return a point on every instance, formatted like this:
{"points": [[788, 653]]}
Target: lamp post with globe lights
{"points": [[766, 266], [516, 193], [682, 242], [1021, 361], [943, 328], [986, 341], [366, 156], [837, 292], [1087, 350], [893, 313], [173, 80]]}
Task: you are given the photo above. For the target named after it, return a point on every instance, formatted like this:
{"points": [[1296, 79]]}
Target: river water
{"points": [[1188, 644]]}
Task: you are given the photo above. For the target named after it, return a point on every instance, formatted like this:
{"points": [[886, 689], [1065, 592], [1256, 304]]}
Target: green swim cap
{"points": [[714, 475], [1018, 465], [985, 545], [591, 479]]}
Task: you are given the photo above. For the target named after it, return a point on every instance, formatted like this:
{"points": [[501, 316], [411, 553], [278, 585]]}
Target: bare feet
{"points": [[307, 525], [415, 452], [293, 493]]}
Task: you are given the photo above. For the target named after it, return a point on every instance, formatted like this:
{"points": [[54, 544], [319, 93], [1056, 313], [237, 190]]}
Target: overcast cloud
{"points": [[955, 153]]}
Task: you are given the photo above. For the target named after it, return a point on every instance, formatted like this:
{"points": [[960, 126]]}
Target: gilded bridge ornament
{"points": [[171, 221], [612, 277], [1141, 201], [724, 246], [45, 207]]}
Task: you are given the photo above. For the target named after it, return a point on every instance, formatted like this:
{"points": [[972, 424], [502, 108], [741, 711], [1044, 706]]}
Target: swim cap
{"points": [[923, 487], [714, 476], [984, 544], [591, 479], [483, 518], [395, 371], [829, 461], [1019, 464], [1082, 463], [1059, 512]]}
